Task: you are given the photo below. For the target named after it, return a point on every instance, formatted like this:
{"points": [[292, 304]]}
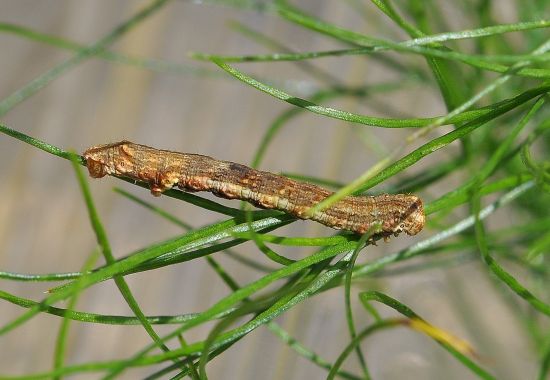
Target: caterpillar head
{"points": [[110, 159]]}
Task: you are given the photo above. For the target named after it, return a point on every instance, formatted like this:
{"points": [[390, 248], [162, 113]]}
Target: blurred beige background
{"points": [[43, 220]]}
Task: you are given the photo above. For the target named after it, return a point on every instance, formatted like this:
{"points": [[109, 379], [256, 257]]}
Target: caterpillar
{"points": [[163, 170]]}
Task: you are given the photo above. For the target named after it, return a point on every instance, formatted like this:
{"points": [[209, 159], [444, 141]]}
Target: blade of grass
{"points": [[268, 252], [105, 248], [492, 164], [299, 17], [284, 294], [38, 144], [497, 270], [44, 79], [96, 318], [466, 116], [275, 310], [545, 364], [166, 215], [453, 93], [309, 55], [62, 335], [347, 295], [383, 324], [145, 63], [307, 67], [409, 313], [193, 240]]}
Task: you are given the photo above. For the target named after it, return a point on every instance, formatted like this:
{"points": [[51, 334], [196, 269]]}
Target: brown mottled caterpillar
{"points": [[164, 169]]}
